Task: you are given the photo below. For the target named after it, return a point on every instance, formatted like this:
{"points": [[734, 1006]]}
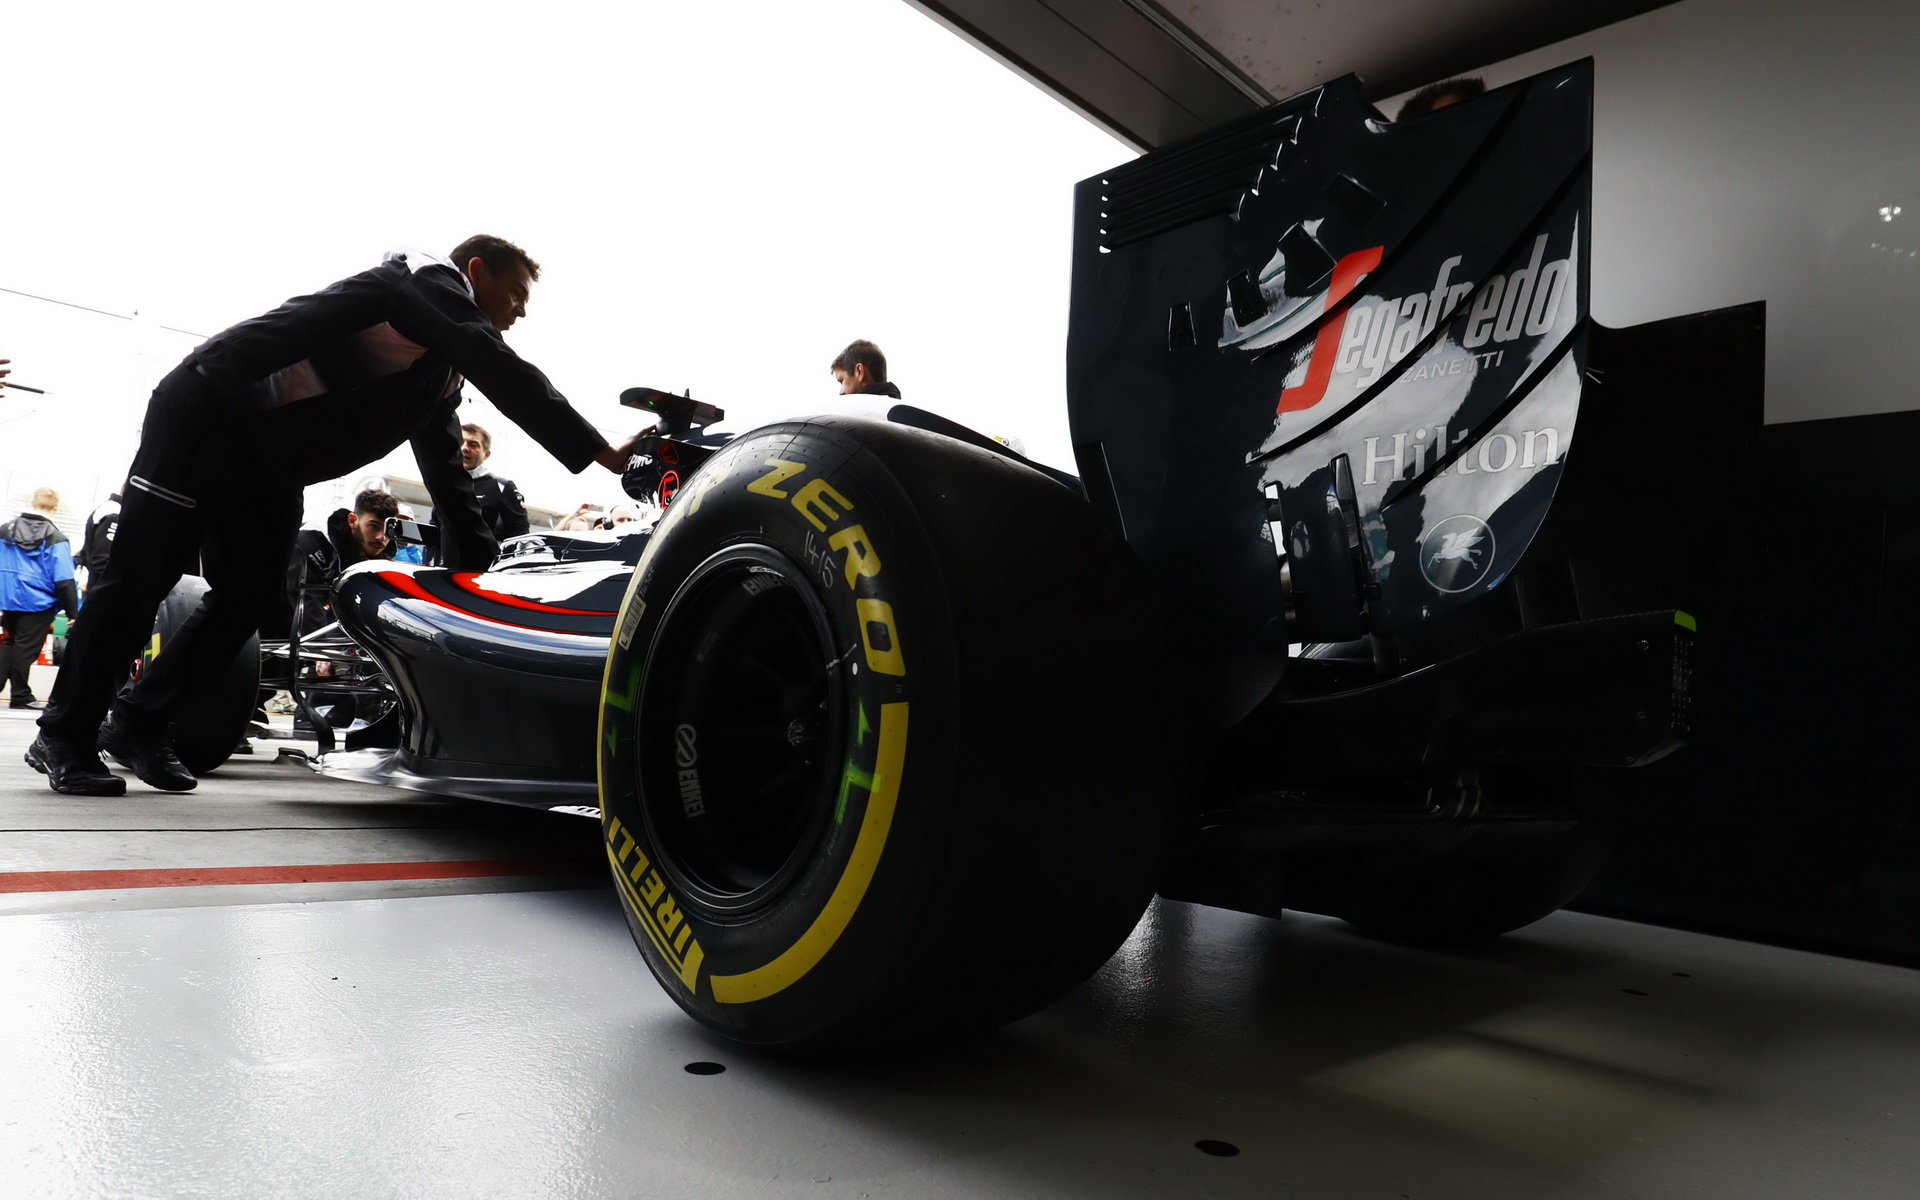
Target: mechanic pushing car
{"points": [[308, 392]]}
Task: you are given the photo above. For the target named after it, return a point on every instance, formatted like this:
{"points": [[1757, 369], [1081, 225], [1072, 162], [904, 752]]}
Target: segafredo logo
{"points": [[1369, 338]]}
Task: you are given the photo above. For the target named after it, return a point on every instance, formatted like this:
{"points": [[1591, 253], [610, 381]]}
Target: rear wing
{"points": [[1326, 365]]}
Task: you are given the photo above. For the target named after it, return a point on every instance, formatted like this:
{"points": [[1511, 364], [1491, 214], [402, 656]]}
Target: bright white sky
{"points": [[721, 197]]}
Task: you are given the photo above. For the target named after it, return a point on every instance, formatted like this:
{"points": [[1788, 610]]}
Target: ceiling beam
{"points": [[1151, 79], [1125, 64]]}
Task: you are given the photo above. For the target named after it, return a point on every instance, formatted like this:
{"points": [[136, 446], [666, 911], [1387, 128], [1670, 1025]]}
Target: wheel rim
{"points": [[740, 730]]}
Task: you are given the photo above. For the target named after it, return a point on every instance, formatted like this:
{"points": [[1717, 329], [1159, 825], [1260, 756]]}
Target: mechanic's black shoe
{"points": [[29, 702], [150, 756], [71, 770]]}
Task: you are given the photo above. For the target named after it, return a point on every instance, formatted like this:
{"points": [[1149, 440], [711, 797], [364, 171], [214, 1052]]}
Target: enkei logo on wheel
{"points": [[1457, 553], [1372, 337], [686, 756]]}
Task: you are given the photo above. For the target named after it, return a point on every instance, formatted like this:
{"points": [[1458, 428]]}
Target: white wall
{"points": [[723, 196], [1744, 150]]}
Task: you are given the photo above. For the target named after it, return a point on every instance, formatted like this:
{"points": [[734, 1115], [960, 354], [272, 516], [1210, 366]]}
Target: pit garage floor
{"points": [[283, 985]]}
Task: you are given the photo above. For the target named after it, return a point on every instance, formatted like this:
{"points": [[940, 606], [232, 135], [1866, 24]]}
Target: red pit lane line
{"points": [[80, 881]]}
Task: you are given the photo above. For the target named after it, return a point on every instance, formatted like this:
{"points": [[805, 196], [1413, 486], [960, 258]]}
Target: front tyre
{"points": [[878, 759]]}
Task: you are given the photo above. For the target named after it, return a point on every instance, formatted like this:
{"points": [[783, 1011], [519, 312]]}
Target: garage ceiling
{"points": [[1153, 73]]}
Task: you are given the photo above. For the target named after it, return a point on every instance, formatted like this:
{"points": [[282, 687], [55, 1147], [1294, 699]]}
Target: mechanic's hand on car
{"points": [[616, 458]]}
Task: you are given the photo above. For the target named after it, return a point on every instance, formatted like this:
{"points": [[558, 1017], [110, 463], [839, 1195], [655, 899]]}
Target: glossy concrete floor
{"points": [[217, 1027]]}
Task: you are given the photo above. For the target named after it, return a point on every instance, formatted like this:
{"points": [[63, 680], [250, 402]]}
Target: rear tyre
{"points": [[877, 764], [211, 720]]}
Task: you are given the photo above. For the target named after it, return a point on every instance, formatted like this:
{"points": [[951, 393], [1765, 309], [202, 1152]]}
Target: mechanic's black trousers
{"points": [[28, 631], [196, 486]]}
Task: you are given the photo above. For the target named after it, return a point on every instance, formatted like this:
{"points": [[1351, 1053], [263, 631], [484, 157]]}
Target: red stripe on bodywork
{"points": [[465, 581], [404, 582], [81, 881]]}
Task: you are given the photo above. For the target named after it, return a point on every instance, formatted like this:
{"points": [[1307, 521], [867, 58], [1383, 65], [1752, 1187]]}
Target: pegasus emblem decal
{"points": [[1455, 546], [1457, 553]]}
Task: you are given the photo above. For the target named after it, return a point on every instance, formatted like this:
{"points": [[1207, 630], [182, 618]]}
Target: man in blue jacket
{"points": [[36, 582], [311, 391]]}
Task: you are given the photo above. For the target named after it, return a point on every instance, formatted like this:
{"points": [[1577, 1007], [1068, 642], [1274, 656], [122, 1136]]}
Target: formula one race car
{"points": [[1367, 581]]}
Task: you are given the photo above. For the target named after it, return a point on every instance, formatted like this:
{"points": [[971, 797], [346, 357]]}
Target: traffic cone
{"points": [[43, 660]]}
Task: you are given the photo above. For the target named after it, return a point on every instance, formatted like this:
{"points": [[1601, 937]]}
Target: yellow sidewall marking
{"points": [[879, 612], [685, 967], [812, 946], [769, 484], [606, 682], [622, 639]]}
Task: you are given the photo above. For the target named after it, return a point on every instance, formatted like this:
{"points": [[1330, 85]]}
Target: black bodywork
{"points": [[1336, 382], [1360, 348], [496, 674]]}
